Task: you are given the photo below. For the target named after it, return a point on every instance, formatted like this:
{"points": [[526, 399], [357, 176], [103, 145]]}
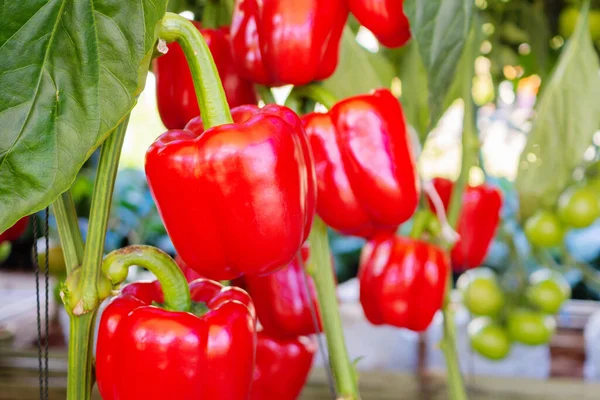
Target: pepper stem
{"points": [[321, 270], [314, 92], [207, 84], [174, 285]]}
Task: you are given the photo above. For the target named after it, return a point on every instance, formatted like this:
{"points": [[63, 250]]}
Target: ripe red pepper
{"points": [[282, 304], [238, 198], [279, 42], [477, 222], [282, 367], [366, 175], [15, 231], [145, 352], [402, 281], [177, 102], [384, 18], [190, 274]]}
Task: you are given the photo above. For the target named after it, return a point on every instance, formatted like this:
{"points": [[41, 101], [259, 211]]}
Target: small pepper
{"points": [[237, 198], [477, 223], [15, 231], [384, 18], [279, 42], [146, 352], [402, 281], [366, 174], [282, 303], [282, 367], [177, 101]]}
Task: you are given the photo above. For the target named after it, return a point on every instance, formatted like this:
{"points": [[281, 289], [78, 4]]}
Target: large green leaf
{"points": [[359, 70], [568, 114], [414, 89], [536, 23], [440, 28], [70, 70]]}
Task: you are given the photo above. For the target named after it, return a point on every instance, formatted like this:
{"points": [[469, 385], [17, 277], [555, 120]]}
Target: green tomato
{"points": [[594, 20], [5, 248], [482, 295], [488, 338], [530, 327], [56, 260], [547, 290], [578, 206], [543, 229]]}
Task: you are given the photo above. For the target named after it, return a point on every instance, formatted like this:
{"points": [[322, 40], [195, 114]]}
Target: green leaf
{"points": [[414, 97], [441, 29], [568, 114], [70, 71], [536, 24], [359, 70]]}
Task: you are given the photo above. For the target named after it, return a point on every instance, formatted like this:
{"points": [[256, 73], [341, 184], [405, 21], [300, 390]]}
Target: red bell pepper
{"points": [[145, 352], [238, 198], [190, 274], [402, 281], [282, 304], [366, 175], [477, 223], [15, 231], [384, 18], [279, 42], [177, 101], [282, 367]]}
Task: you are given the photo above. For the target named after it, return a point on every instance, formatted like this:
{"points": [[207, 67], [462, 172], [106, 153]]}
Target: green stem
{"points": [[313, 91], [321, 270], [80, 379], [265, 94], [68, 230], [207, 84], [99, 214], [172, 281], [420, 222]]}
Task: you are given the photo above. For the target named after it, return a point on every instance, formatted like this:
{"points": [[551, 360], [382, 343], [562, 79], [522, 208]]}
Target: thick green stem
{"points": [[322, 272], [68, 230], [172, 281], [314, 92], [207, 84], [420, 222], [80, 379]]}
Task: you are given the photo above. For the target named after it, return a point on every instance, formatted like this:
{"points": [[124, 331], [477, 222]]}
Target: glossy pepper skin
{"points": [[366, 175], [15, 231], [384, 18], [145, 352], [177, 101], [282, 304], [282, 367], [477, 223], [237, 198], [278, 42], [402, 281]]}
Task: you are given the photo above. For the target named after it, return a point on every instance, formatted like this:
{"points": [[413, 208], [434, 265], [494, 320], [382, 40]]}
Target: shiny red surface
{"points": [[15, 231], [239, 198], [277, 42], [177, 101], [402, 281], [477, 223], [384, 18], [145, 352], [282, 367], [282, 303], [366, 176]]}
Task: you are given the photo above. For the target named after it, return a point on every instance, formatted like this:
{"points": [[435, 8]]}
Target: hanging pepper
{"points": [[282, 304], [366, 175], [279, 42], [146, 352], [384, 18], [402, 281], [282, 367], [190, 274], [237, 198], [15, 231], [177, 102], [477, 222]]}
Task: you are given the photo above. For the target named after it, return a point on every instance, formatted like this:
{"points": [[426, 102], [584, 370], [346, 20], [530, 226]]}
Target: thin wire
{"points": [[321, 345], [46, 278], [37, 296]]}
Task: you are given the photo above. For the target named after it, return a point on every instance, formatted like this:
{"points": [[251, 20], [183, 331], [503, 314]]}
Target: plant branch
{"points": [[68, 230]]}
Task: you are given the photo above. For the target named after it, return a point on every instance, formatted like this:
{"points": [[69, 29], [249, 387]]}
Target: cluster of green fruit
{"points": [[577, 207], [498, 323]]}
